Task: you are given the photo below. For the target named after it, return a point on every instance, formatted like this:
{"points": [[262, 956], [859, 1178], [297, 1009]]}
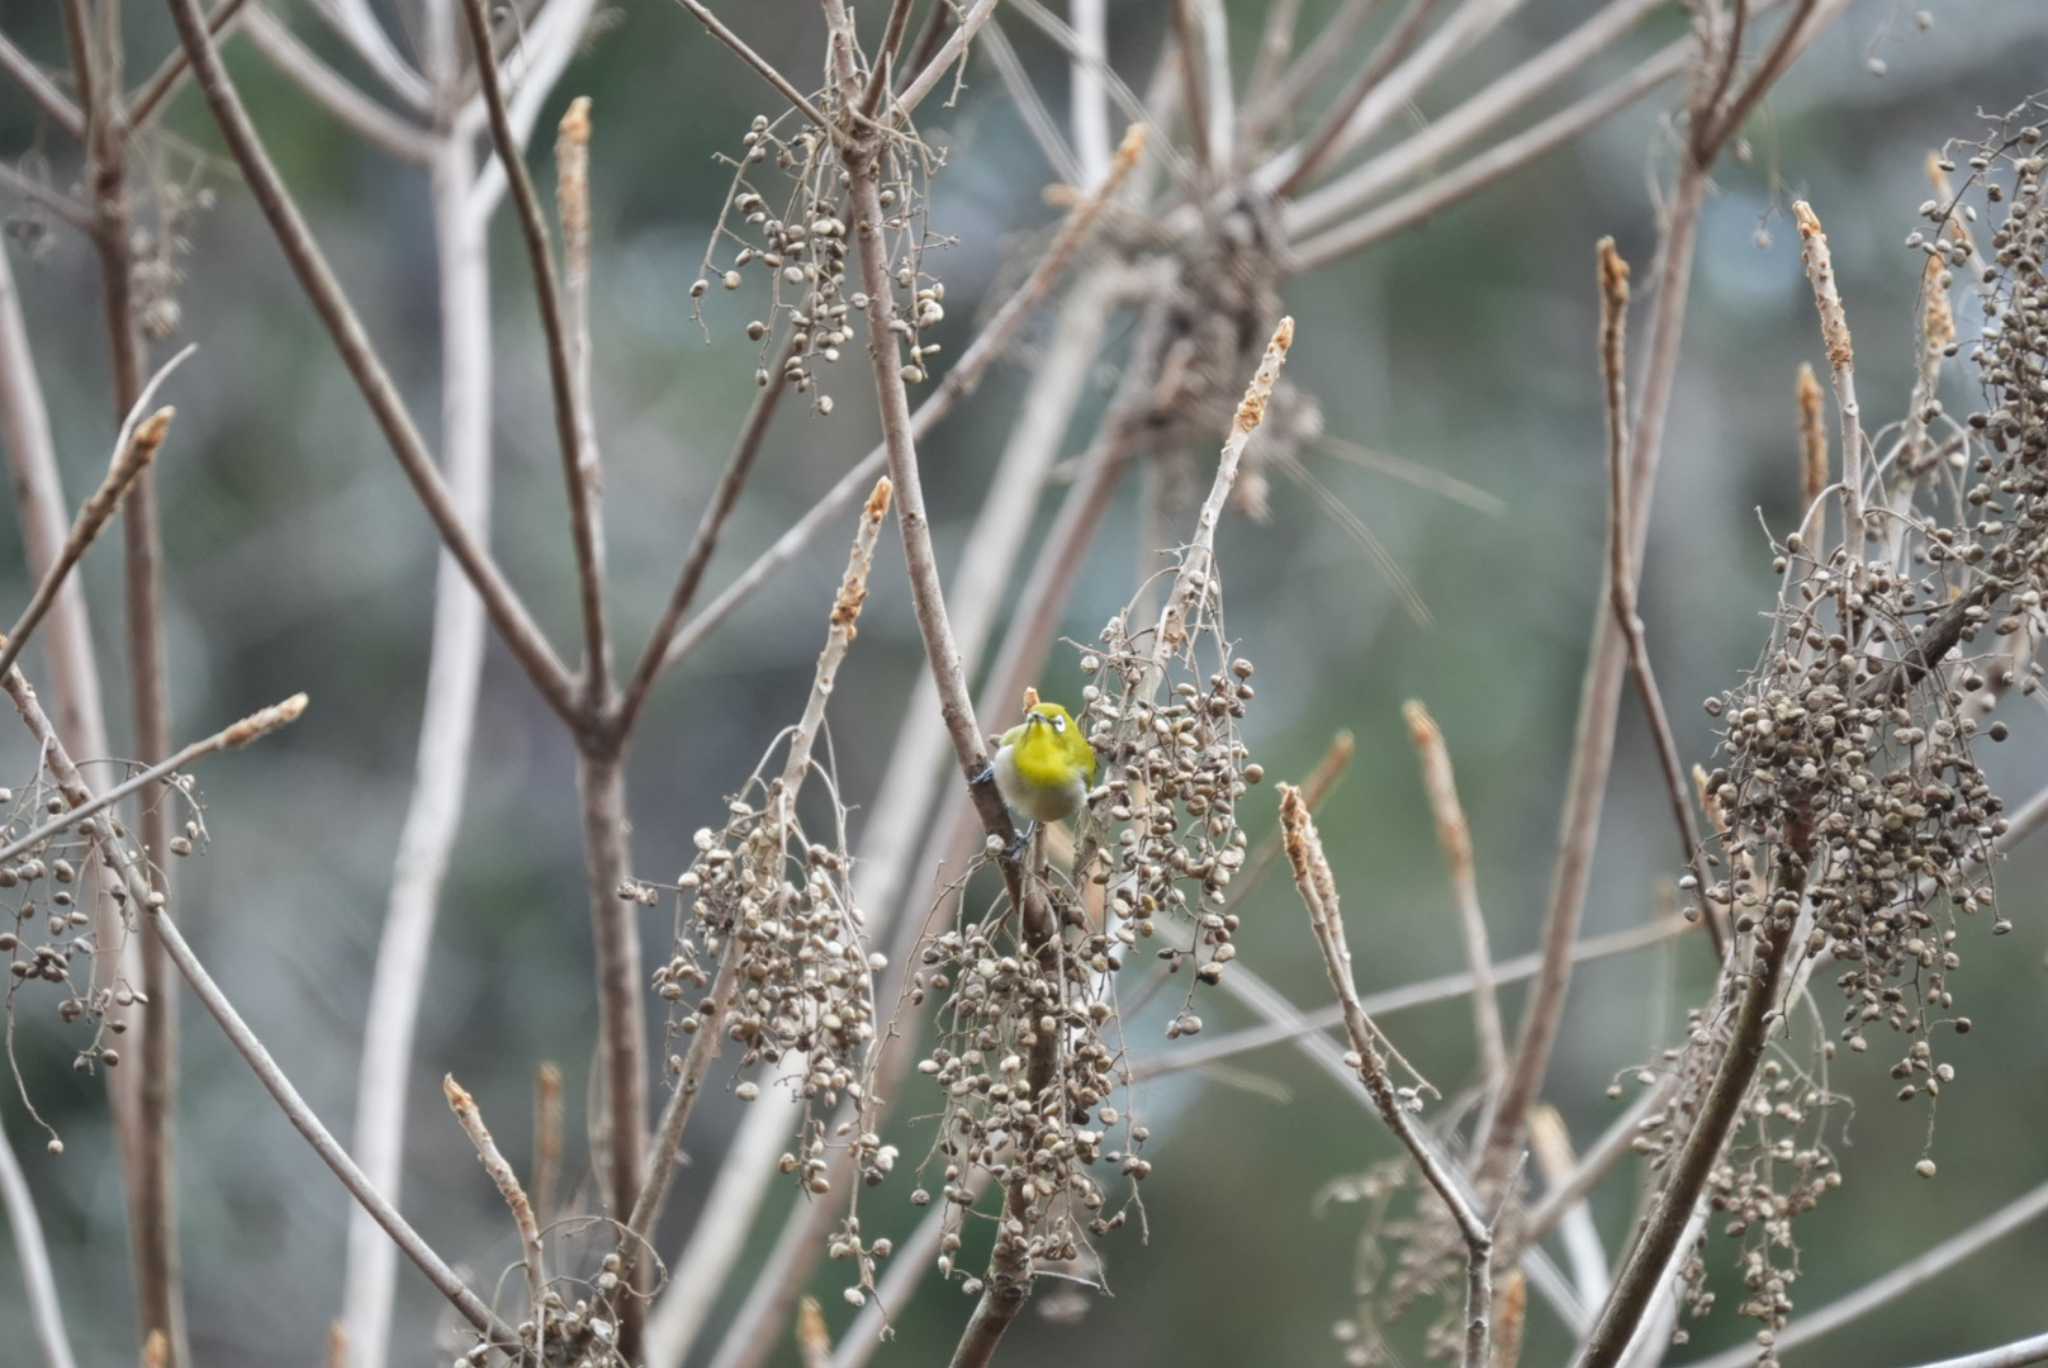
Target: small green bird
{"points": [[1044, 765]]}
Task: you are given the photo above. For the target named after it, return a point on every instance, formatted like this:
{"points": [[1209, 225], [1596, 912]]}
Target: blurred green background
{"points": [[298, 559]]}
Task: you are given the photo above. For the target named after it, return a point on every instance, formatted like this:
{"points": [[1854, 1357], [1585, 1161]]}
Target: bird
{"points": [[1043, 766]]}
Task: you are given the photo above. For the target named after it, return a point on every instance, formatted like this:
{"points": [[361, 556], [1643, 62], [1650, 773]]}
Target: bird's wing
{"points": [[1014, 735]]}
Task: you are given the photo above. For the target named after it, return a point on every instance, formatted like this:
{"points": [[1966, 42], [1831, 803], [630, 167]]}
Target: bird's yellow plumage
{"points": [[1044, 765]]}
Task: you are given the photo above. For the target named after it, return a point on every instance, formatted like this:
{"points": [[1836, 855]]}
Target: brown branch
{"points": [[254, 727], [1454, 834], [950, 51], [1622, 574], [40, 88], [1187, 44], [500, 1171], [575, 432], [1318, 889], [1599, 703], [506, 611], [1718, 1113], [659, 651], [151, 902], [1813, 448], [149, 97], [760, 64]]}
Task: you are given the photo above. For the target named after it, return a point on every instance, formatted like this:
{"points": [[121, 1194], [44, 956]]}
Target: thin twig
{"points": [[148, 900], [1599, 704], [138, 448], [1194, 83], [1447, 988], [927, 80], [45, 92], [575, 431], [357, 25], [760, 64], [39, 1280], [233, 737], [500, 1171], [841, 627], [1454, 834], [657, 654], [1887, 1290], [1318, 889], [1813, 448], [1622, 574], [522, 636]]}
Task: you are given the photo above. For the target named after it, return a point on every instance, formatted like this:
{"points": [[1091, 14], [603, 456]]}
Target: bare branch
{"points": [[32, 79], [1318, 889], [147, 899], [507, 613], [926, 80], [149, 97], [547, 1140], [2018, 1354], [1320, 145], [138, 448], [1622, 574], [760, 64], [357, 24], [500, 1170], [1088, 93], [254, 727], [575, 432]]}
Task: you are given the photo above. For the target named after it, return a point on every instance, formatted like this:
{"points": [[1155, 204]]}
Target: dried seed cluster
{"points": [[1175, 772], [795, 232], [53, 885], [1030, 1056], [1857, 825], [805, 998]]}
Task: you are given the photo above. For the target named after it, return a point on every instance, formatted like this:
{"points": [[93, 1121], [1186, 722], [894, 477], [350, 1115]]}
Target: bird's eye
{"points": [[1059, 724]]}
